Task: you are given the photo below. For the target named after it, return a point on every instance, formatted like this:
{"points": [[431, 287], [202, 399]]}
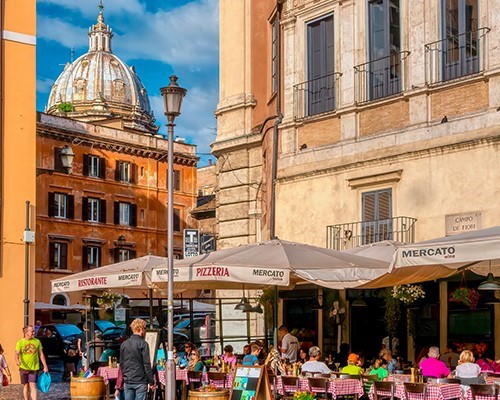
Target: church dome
{"points": [[99, 86]]}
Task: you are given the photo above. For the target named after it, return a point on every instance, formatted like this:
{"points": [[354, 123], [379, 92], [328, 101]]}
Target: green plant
{"points": [[65, 106], [108, 298], [408, 293], [392, 312], [466, 296], [304, 395]]}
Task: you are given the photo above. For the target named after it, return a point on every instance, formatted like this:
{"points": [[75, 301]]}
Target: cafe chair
{"points": [[448, 380], [418, 389], [384, 387], [217, 378], [194, 379], [478, 380], [272, 380], [290, 385], [367, 381], [319, 386], [484, 390]]}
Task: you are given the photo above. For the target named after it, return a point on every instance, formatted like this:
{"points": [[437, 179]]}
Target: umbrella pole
{"points": [[275, 338], [150, 308]]}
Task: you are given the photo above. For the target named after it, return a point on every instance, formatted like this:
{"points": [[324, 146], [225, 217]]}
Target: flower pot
{"points": [[87, 388]]}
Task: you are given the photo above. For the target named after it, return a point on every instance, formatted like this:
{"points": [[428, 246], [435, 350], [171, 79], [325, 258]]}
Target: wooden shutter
{"points": [[102, 211], [117, 213], [102, 168], [133, 215], [51, 255], [116, 254], [85, 209], [177, 180], [64, 256], [71, 206], [134, 178], [86, 165], [58, 166], [132, 254], [117, 170], [85, 258], [177, 220], [52, 208], [99, 261]]}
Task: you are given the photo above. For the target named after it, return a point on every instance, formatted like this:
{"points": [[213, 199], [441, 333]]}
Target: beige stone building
{"points": [[390, 126]]}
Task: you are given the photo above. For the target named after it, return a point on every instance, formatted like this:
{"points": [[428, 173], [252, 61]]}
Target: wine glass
{"points": [[337, 365]]}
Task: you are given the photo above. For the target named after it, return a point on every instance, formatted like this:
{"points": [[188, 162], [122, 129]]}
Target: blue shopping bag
{"points": [[43, 382]]}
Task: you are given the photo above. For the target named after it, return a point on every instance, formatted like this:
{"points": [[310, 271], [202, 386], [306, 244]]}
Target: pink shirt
{"points": [[434, 367], [229, 360]]}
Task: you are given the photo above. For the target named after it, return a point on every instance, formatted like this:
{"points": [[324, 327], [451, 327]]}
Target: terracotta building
{"points": [[386, 127], [111, 205]]}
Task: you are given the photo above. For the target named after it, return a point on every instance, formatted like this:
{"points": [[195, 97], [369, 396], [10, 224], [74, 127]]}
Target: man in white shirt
{"points": [[314, 365], [289, 344]]}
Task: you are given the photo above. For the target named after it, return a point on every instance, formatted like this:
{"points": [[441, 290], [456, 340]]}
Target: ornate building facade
{"points": [[387, 123]]}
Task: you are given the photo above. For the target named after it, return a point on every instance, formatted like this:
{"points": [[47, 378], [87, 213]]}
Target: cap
{"points": [[353, 357]]}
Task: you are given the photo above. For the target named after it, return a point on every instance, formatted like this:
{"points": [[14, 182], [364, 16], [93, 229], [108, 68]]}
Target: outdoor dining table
{"points": [[435, 391], [182, 375], [108, 374], [336, 387]]}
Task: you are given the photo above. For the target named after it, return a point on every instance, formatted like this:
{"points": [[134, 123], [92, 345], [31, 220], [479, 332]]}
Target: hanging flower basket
{"points": [[408, 294], [466, 296], [108, 299]]}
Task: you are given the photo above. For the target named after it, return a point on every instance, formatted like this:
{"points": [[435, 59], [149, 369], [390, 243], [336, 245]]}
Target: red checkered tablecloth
{"points": [[181, 375], [444, 391], [107, 373], [336, 387]]}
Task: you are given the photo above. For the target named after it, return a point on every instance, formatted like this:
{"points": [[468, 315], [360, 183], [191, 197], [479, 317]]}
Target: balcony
{"points": [[456, 56], [354, 234], [381, 78], [316, 96]]}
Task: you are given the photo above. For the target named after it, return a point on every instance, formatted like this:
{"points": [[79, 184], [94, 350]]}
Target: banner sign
{"points": [[264, 276], [191, 243], [98, 282]]}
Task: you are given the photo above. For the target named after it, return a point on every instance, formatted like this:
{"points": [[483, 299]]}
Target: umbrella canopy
{"points": [[135, 273], [272, 263], [440, 258], [56, 307]]}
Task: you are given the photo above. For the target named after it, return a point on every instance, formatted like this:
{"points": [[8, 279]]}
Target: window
{"points": [[460, 34], [124, 254], [385, 48], [58, 255], [61, 205], [275, 31], [91, 256], [125, 172], [377, 216], [125, 213], [94, 166], [177, 220], [320, 66], [93, 209]]}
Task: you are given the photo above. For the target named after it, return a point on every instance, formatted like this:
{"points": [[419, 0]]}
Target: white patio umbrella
{"points": [[440, 258], [272, 263]]}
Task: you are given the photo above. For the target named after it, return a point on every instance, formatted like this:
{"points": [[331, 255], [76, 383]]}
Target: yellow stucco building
{"points": [[17, 170]]}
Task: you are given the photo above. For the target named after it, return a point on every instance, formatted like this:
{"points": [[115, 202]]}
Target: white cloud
{"points": [[44, 85], [90, 9], [60, 31]]}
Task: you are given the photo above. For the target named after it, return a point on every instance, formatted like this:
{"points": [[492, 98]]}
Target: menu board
{"points": [[250, 383]]}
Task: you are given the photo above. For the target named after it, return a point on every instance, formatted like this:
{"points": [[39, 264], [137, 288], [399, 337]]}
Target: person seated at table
{"points": [[195, 363], [450, 358], [467, 370], [488, 363], [228, 356], [433, 367], [352, 367], [303, 356], [379, 369], [422, 355], [314, 365], [253, 357], [392, 364], [185, 357]]}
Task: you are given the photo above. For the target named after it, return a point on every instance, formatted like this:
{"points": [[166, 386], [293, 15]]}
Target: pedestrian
{"points": [[82, 347], [38, 324], [135, 363], [4, 368], [28, 356], [289, 344]]}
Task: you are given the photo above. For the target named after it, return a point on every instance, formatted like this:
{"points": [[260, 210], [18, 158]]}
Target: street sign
{"points": [[191, 243], [207, 243]]}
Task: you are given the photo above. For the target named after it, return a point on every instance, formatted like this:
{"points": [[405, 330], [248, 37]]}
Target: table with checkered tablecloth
{"points": [[443, 391], [108, 374], [490, 380], [182, 375], [336, 387]]}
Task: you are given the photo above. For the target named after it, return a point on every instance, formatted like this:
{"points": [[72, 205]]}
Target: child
{"points": [[352, 367], [228, 356], [253, 358]]}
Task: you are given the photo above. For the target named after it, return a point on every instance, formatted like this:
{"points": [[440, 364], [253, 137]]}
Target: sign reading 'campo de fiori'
{"points": [[266, 276], [97, 282]]}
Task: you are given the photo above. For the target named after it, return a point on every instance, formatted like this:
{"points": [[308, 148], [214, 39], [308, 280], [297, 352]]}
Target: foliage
{"points": [[408, 293], [392, 312], [209, 388], [109, 298], [468, 297], [65, 106], [267, 301], [305, 395]]}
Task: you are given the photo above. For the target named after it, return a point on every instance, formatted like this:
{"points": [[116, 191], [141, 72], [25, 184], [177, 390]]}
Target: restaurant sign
{"points": [[97, 282]]}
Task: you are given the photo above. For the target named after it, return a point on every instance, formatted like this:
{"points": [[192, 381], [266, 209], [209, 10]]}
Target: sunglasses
{"points": [[193, 354]]}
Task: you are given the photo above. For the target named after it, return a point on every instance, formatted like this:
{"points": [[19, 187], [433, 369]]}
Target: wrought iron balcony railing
{"points": [[456, 56], [316, 96], [381, 78], [354, 234]]}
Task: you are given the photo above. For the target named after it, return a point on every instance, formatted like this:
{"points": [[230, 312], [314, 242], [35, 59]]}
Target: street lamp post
{"points": [[172, 98]]}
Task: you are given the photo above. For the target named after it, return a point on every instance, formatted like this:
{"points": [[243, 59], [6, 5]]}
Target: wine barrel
{"points": [[87, 388], [222, 394]]}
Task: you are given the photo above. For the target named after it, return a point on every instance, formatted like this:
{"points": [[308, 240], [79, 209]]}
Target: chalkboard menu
{"points": [[250, 383]]}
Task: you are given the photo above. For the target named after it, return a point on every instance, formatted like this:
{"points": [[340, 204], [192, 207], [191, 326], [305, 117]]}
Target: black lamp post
{"points": [[172, 98]]}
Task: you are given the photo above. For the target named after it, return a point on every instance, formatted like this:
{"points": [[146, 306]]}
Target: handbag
{"points": [[5, 380], [43, 382]]}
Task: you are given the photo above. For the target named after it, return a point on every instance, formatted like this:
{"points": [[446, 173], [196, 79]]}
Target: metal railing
{"points": [[456, 56], [316, 96], [354, 234], [380, 78]]}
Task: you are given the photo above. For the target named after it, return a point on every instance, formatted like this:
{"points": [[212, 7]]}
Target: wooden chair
{"points": [[383, 386], [319, 386], [194, 379], [448, 380], [290, 386], [272, 381], [367, 382], [416, 388], [217, 378], [484, 390]]}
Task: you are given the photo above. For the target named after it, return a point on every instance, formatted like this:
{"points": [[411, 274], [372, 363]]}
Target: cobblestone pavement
{"points": [[58, 391]]}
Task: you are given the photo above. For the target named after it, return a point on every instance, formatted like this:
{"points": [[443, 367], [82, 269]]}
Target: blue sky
{"points": [[157, 37]]}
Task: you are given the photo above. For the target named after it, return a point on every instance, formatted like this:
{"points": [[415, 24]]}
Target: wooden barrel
{"points": [[222, 394], [87, 388]]}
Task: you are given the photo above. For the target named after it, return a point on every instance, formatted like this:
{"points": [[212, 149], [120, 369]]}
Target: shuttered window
{"points": [[61, 205], [58, 255], [377, 216]]}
